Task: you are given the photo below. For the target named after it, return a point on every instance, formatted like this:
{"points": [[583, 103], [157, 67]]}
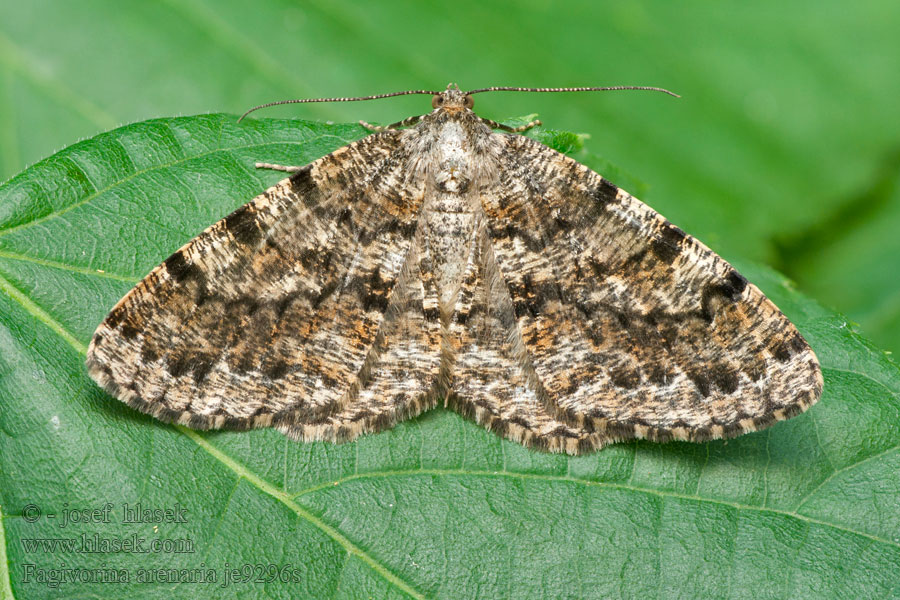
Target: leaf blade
{"points": [[412, 511]]}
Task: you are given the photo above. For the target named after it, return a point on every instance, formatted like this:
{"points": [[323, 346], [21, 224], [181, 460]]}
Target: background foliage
{"points": [[784, 150]]}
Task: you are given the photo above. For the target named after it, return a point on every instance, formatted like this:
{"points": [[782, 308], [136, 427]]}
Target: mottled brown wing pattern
{"points": [[630, 327], [285, 312], [402, 373], [493, 382]]}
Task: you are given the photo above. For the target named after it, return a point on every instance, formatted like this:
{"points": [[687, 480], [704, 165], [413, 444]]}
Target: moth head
{"points": [[452, 99]]}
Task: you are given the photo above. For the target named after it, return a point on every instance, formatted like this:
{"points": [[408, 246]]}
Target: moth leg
{"points": [[287, 169], [404, 123], [519, 129]]}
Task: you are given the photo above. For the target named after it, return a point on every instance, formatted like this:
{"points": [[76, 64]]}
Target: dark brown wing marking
{"points": [[400, 376], [493, 380], [307, 271], [631, 327]]}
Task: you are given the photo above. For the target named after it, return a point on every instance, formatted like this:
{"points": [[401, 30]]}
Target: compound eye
{"points": [[436, 100], [468, 102]]}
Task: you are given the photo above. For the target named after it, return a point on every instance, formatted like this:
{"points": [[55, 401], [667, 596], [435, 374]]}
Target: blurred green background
{"points": [[784, 149]]}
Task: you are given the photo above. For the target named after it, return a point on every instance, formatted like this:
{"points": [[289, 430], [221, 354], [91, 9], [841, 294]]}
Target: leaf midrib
{"points": [[266, 487], [289, 500]]}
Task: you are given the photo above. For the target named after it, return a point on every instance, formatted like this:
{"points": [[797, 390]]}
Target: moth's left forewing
{"points": [[298, 310], [631, 327]]}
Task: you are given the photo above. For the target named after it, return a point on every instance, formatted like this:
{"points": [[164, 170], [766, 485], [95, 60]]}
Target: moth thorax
{"points": [[453, 158]]}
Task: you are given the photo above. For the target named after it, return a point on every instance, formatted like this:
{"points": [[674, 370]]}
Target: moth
{"points": [[437, 261]]}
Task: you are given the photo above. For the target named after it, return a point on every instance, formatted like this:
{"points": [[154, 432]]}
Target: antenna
{"points": [[356, 99], [574, 89], [478, 91]]}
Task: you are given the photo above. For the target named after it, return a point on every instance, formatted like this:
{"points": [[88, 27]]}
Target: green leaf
{"points": [[436, 507]]}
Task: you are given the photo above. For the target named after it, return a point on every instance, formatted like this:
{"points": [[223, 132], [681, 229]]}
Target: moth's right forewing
{"points": [[632, 328]]}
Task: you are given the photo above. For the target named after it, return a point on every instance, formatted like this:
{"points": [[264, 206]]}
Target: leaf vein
{"points": [[220, 518], [267, 488], [837, 472], [40, 314], [869, 377], [585, 482], [156, 167], [67, 267]]}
